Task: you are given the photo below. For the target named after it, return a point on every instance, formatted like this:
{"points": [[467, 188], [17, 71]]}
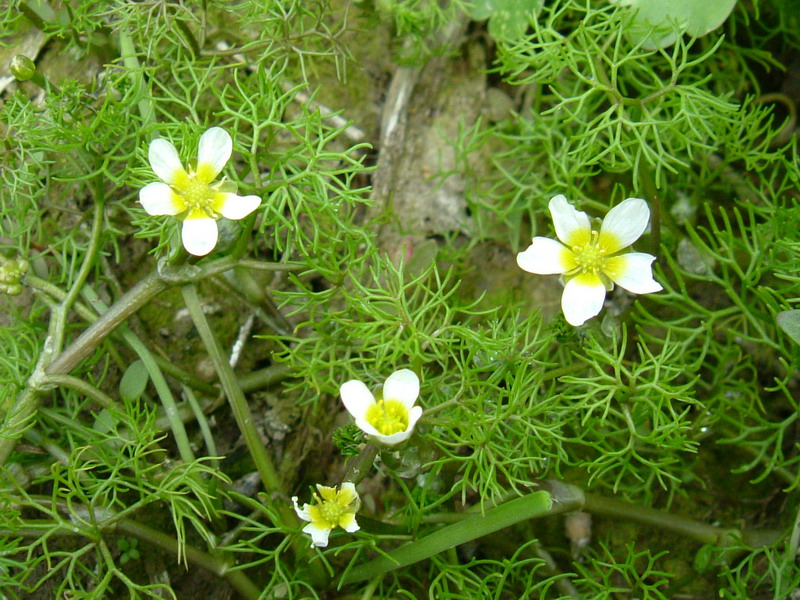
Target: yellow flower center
{"points": [[331, 506], [388, 416], [331, 512], [194, 192], [197, 192], [591, 256]]}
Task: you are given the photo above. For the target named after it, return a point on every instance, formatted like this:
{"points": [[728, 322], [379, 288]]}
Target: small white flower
{"points": [[191, 196], [589, 260], [391, 419], [332, 509]]}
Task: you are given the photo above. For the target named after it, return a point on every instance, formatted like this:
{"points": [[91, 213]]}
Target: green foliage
{"points": [[694, 17], [507, 18], [134, 381], [348, 439], [634, 573], [669, 400]]}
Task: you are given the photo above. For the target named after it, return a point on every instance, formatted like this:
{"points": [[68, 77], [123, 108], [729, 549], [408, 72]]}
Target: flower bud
{"points": [[22, 68], [11, 272]]}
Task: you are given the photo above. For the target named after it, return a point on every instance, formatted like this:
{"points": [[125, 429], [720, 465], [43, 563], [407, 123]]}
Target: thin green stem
{"points": [[197, 410], [164, 394], [688, 528], [139, 295], [90, 316], [81, 386], [191, 42], [241, 411], [157, 377], [59, 317], [369, 591], [128, 304], [260, 265], [270, 478], [264, 378], [131, 62], [360, 466]]}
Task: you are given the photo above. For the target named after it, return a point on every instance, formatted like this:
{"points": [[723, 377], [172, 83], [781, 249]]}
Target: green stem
{"points": [[139, 295], [131, 62], [197, 410], [264, 378], [191, 41], [537, 504], [260, 265], [19, 415], [157, 377], [361, 465], [79, 385], [90, 316], [164, 394], [59, 317], [559, 497], [128, 304], [241, 411], [688, 528], [244, 419]]}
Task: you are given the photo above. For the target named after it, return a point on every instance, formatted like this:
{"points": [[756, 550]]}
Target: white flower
{"points": [[332, 509], [191, 196], [391, 419], [589, 260]]}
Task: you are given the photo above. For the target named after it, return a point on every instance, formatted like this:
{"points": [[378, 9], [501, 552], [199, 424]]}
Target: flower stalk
{"points": [[241, 411]]}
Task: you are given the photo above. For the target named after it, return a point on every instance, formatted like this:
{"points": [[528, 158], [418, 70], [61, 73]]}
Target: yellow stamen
{"points": [[197, 195], [388, 416], [589, 257], [334, 505]]}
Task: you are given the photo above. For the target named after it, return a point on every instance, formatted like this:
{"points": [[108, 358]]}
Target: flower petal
{"points": [[403, 386], [327, 493], [396, 438], [164, 160], [319, 535], [235, 207], [583, 298], [348, 522], [546, 257], [199, 233], [213, 153], [634, 272], [624, 224], [159, 199], [301, 512], [348, 493], [572, 226], [367, 427], [357, 399]]}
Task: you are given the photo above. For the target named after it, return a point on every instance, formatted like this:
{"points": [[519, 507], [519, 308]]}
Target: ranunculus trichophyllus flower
{"points": [[331, 509], [190, 195], [589, 260], [391, 418]]}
